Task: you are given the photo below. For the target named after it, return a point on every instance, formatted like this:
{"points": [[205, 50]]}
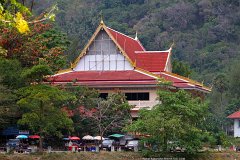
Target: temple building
{"points": [[114, 62], [236, 124]]}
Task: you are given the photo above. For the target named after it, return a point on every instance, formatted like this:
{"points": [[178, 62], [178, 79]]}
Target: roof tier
{"points": [[148, 60], [152, 61], [103, 78], [122, 78]]}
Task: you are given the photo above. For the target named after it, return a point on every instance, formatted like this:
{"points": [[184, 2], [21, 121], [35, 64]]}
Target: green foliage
{"points": [[85, 96], [177, 121], [56, 39], [181, 68], [41, 106], [36, 73], [234, 81], [10, 71], [99, 116], [112, 114], [8, 108]]}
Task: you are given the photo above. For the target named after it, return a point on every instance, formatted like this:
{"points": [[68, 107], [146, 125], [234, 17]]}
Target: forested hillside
{"points": [[205, 32]]}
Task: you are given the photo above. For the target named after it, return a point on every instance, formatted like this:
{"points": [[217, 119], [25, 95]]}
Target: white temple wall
{"points": [[140, 103]]}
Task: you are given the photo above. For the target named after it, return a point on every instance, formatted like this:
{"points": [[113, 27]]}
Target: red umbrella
{"points": [[34, 137], [74, 138]]}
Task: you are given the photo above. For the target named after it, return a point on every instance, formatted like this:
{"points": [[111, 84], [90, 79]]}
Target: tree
{"points": [[44, 45], [8, 108], [177, 121], [86, 98], [110, 114], [181, 68], [14, 13], [219, 99], [36, 73], [234, 82], [10, 71], [41, 106]]}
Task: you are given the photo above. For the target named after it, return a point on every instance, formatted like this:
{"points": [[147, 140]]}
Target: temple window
{"points": [[137, 96], [103, 95]]}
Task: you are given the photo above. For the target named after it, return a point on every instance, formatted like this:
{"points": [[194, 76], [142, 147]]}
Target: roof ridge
{"points": [[64, 71], [187, 79], [137, 40], [168, 59], [140, 44], [143, 71]]}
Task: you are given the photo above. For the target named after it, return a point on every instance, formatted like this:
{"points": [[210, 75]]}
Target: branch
{"points": [[38, 21], [48, 16]]}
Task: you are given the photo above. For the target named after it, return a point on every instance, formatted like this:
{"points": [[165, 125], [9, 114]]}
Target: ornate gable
{"points": [[103, 54]]}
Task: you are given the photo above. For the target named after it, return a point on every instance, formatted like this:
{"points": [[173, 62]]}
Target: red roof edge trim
{"points": [[140, 44], [142, 71], [166, 73], [152, 51], [167, 61], [128, 37]]}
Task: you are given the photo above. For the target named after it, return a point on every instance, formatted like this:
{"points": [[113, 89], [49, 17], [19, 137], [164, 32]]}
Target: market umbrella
{"points": [[74, 138], [88, 137], [66, 138], [22, 137], [116, 136], [34, 137], [98, 138], [128, 137]]}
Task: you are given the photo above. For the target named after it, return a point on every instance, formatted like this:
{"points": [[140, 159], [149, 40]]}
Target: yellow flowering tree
{"points": [[21, 24], [9, 16]]}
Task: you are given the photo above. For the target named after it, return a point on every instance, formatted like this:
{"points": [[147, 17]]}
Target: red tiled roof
{"points": [[128, 44], [181, 82], [103, 77], [235, 115], [120, 78], [148, 60], [151, 60]]}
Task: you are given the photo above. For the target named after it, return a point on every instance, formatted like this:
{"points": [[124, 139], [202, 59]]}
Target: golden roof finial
{"points": [[172, 45], [136, 36], [101, 16]]}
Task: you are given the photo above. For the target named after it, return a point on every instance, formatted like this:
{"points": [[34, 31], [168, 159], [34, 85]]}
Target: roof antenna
{"points": [[172, 45], [136, 36]]}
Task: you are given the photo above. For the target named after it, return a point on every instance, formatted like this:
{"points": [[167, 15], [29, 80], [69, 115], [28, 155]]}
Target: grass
{"points": [[75, 156], [113, 156]]}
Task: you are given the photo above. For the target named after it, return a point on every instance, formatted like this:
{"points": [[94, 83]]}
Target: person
{"points": [[70, 144]]}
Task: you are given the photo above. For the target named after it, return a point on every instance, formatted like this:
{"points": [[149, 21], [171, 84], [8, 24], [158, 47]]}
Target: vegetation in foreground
{"points": [[117, 156]]}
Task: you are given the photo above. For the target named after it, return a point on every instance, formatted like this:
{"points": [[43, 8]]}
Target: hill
{"points": [[205, 32]]}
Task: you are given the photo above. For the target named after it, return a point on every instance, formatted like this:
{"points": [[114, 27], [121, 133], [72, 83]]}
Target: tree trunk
{"points": [[32, 5], [165, 143], [40, 144]]}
